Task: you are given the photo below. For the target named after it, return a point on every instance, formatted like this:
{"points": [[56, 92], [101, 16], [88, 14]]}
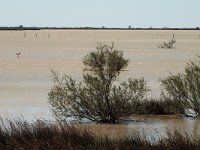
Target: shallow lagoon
{"points": [[25, 81]]}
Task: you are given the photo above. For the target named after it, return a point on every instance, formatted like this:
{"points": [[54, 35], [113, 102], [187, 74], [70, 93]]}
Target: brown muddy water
{"points": [[25, 81], [150, 127]]}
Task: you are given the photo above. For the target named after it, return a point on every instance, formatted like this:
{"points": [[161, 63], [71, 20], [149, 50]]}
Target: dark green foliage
{"points": [[100, 97], [185, 87], [164, 106]]}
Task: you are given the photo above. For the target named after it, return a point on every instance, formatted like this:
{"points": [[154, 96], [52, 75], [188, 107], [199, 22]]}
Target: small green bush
{"points": [[100, 97], [185, 87]]}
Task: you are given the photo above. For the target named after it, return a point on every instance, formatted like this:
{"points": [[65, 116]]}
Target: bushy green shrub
{"points": [[100, 97], [185, 87]]}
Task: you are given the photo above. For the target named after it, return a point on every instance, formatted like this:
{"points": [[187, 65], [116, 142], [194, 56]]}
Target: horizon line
{"points": [[21, 27]]}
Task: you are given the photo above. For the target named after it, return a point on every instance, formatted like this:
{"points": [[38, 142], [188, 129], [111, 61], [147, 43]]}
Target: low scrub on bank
{"points": [[43, 135], [165, 106]]}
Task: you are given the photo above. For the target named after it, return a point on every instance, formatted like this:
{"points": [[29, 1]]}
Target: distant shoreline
{"points": [[91, 28]]}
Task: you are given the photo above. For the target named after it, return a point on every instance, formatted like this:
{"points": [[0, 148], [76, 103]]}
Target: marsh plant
{"points": [[47, 135], [162, 106], [185, 87], [169, 44], [100, 96]]}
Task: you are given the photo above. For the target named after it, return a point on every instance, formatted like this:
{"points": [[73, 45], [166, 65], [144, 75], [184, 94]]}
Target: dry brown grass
{"points": [[20, 134]]}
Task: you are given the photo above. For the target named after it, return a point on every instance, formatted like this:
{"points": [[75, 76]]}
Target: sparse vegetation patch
{"points": [[169, 44]]}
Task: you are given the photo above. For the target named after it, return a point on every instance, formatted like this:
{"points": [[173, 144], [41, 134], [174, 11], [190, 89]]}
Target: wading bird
{"points": [[18, 54]]}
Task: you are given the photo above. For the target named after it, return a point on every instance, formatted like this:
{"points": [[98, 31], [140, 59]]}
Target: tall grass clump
{"points": [[43, 135], [46, 135], [178, 141]]}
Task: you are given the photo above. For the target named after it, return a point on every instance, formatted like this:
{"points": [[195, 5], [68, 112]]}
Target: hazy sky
{"points": [[98, 13]]}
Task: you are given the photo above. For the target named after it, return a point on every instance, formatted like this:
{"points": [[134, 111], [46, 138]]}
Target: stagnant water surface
{"points": [[25, 81], [152, 127]]}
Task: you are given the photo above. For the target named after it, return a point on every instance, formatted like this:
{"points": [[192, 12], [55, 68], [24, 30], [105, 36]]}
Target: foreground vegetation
{"points": [[43, 135]]}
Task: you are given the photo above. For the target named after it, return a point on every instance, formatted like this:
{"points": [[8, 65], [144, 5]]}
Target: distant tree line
{"points": [[21, 27]]}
